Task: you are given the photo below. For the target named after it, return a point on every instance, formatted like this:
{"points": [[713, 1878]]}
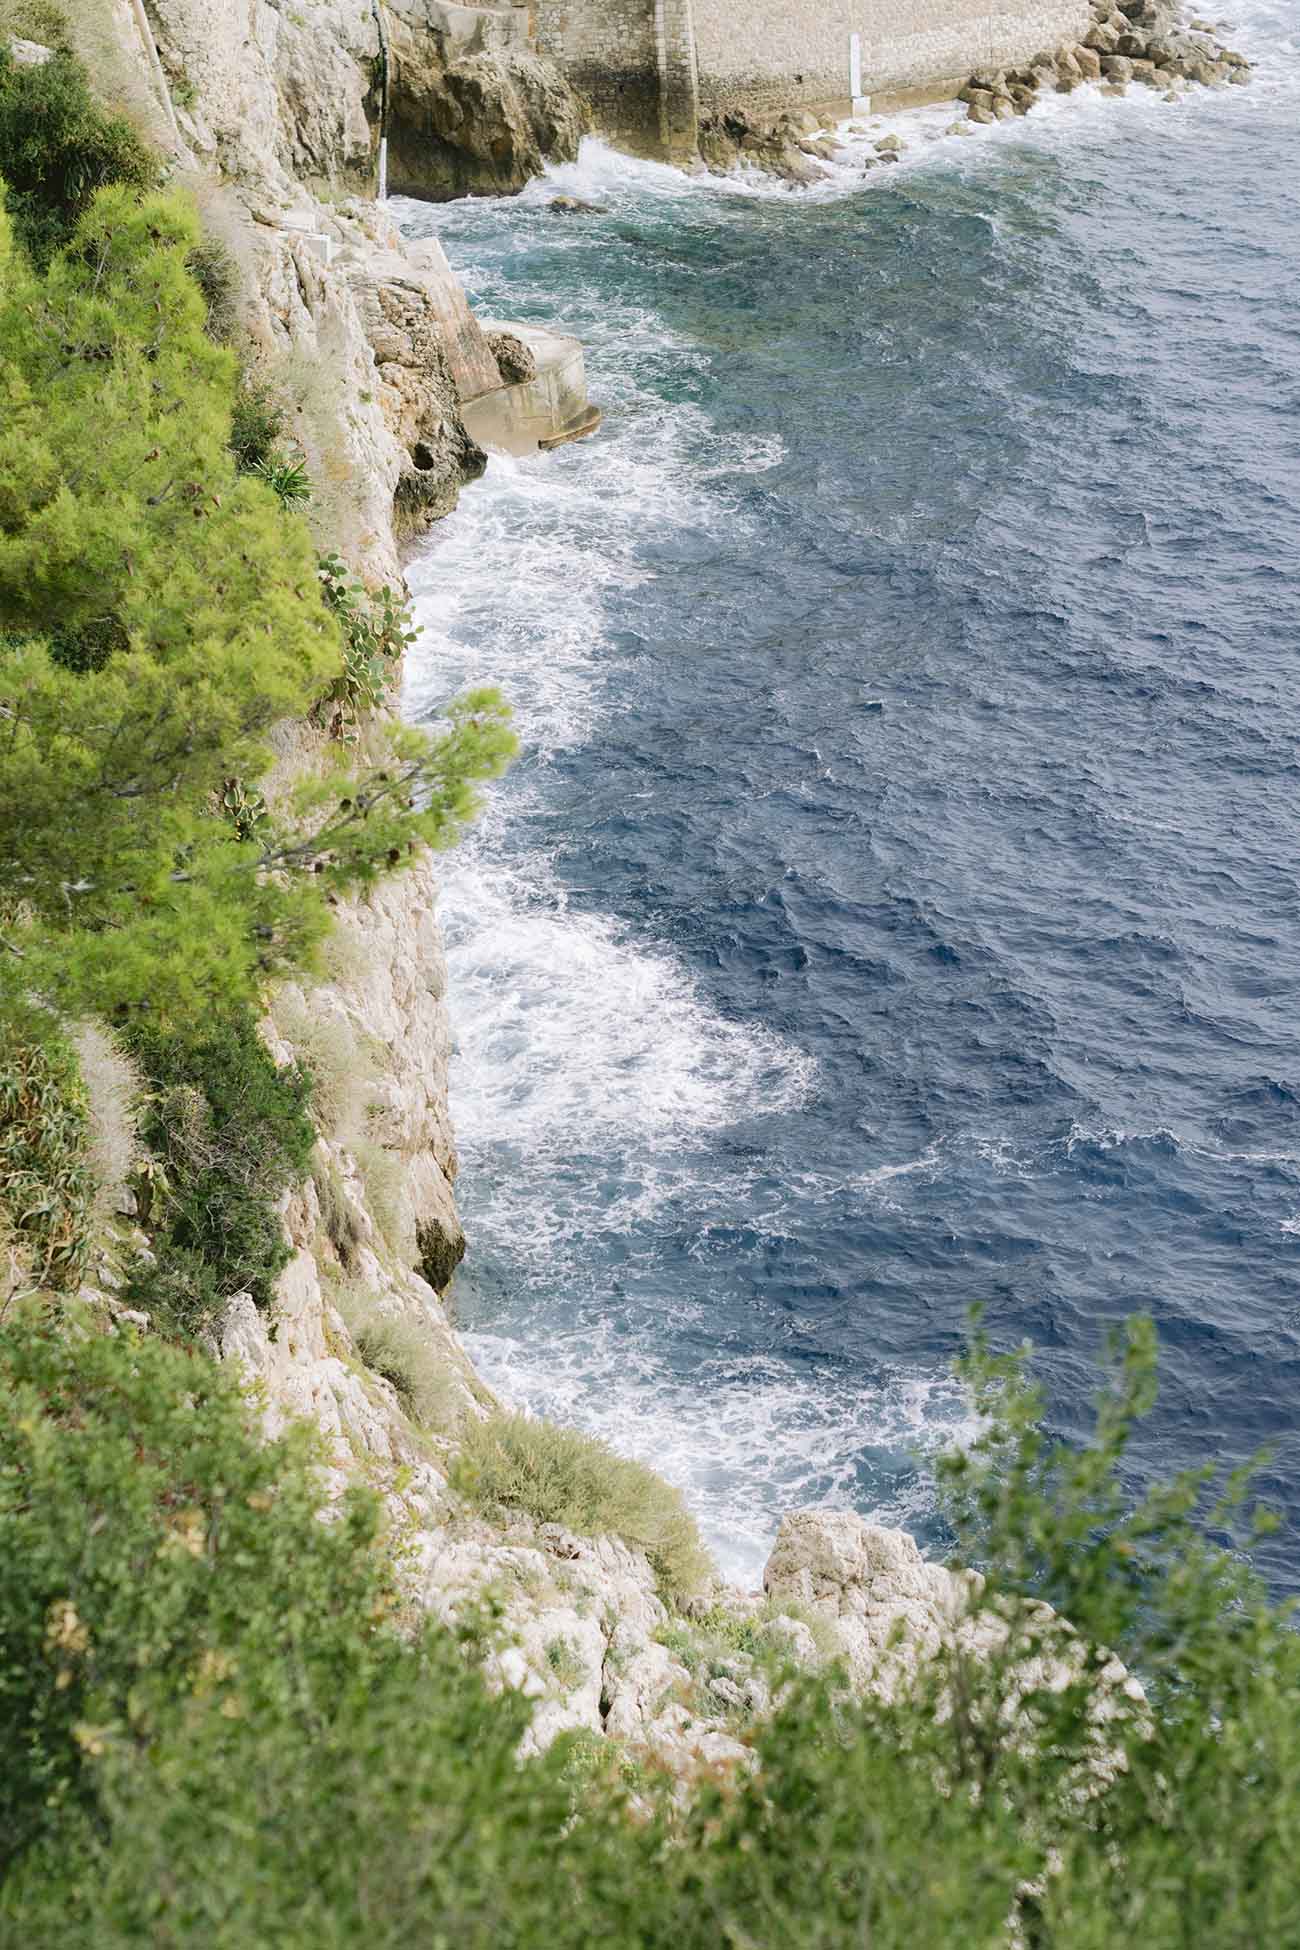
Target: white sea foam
{"points": [[590, 1069], [747, 1440]]}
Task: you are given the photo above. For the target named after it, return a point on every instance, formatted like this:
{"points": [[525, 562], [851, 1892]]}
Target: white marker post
{"points": [[861, 102]]}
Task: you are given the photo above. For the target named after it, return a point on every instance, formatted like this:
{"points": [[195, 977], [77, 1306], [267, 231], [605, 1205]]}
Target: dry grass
{"points": [[115, 1092], [386, 1202], [560, 1476], [402, 1349]]}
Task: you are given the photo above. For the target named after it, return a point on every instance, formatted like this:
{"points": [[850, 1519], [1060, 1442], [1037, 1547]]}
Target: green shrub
{"points": [[151, 1547], [160, 614], [256, 423], [214, 1737], [47, 1186], [215, 272], [561, 1476], [376, 630], [230, 1133], [57, 148], [286, 476]]}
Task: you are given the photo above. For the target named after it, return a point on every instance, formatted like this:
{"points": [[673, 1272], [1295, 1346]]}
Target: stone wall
{"points": [[800, 50], [653, 68], [610, 50]]}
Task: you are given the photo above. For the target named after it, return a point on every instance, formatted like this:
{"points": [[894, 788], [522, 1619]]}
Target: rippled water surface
{"points": [[897, 903]]}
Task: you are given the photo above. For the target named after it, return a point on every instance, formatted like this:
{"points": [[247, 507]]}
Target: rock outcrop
{"points": [[306, 87], [472, 109]]}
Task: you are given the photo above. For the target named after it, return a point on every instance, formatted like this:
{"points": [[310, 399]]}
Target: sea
{"points": [[895, 906]]}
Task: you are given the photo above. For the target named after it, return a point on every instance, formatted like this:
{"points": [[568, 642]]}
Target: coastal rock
{"points": [[516, 361], [889, 1607], [472, 109], [29, 54], [1117, 67], [1088, 62], [888, 145]]}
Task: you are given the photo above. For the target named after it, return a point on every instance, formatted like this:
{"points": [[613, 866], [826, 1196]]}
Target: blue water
{"points": [[897, 904]]}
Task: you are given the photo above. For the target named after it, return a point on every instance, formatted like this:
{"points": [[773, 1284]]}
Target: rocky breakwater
{"points": [[1130, 41], [790, 145]]}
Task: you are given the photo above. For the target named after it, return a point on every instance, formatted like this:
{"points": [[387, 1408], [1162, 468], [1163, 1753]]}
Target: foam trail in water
{"points": [[589, 1071]]}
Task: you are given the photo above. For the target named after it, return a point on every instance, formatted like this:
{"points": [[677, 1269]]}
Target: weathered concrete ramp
{"points": [[542, 412]]}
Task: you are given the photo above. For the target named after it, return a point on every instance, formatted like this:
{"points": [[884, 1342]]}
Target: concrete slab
{"points": [[538, 413]]}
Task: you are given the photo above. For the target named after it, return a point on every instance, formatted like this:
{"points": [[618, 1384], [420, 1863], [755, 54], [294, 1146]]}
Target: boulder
{"points": [[1239, 77], [1148, 74], [1115, 88], [29, 54], [518, 364], [1088, 62], [1134, 45], [978, 113], [573, 206], [1117, 67], [888, 145], [1102, 38], [977, 97], [1003, 108]]}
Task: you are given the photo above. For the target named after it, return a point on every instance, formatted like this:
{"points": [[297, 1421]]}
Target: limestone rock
{"points": [[29, 54], [472, 109], [888, 1605]]}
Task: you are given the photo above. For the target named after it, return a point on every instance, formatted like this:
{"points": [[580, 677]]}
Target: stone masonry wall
{"points": [[609, 49], [798, 51], [651, 68]]}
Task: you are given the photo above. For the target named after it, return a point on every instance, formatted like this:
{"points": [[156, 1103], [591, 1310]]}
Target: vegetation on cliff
{"points": [[222, 1729], [162, 610], [221, 1725]]}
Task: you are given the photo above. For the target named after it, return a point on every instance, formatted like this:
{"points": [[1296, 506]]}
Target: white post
{"points": [[861, 102], [383, 168]]}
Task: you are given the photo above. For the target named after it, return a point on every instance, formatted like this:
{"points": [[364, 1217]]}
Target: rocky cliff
{"points": [[271, 115]]}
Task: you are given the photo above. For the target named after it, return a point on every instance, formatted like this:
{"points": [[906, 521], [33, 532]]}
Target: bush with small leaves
{"points": [[229, 1133], [57, 148], [47, 1187]]}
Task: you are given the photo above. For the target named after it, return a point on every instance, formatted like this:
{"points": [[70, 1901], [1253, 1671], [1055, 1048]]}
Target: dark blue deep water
{"points": [[897, 905]]}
